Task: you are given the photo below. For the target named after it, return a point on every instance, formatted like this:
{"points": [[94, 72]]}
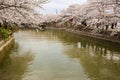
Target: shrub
{"points": [[5, 33]]}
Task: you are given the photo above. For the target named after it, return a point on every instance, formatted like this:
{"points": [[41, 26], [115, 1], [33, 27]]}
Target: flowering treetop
{"points": [[20, 10]]}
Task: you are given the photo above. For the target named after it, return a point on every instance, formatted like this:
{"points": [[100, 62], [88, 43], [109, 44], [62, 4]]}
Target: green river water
{"points": [[58, 55]]}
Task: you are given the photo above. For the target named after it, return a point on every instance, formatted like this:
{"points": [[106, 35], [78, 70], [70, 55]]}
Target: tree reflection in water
{"points": [[14, 65], [100, 59], [98, 62], [93, 58]]}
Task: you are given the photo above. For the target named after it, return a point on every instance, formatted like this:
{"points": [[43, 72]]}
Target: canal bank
{"points": [[88, 34], [97, 36], [5, 47]]}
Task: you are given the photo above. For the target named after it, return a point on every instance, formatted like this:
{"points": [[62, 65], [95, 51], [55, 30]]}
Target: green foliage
{"points": [[5, 33], [7, 29]]}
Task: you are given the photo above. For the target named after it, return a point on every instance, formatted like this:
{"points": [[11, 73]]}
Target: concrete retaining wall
{"points": [[6, 47]]}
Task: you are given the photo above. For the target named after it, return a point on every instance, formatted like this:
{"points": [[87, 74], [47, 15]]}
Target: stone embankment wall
{"points": [[5, 47]]}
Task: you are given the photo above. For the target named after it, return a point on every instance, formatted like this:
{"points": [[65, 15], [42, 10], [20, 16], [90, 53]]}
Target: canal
{"points": [[58, 55]]}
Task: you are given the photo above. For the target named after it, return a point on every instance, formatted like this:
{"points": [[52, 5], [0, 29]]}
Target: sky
{"points": [[57, 5]]}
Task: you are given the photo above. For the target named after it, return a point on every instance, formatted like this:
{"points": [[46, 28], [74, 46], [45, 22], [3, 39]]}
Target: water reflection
{"points": [[98, 62], [57, 55], [15, 65]]}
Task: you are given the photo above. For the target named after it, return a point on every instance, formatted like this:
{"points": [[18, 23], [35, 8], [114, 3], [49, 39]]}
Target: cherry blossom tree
{"points": [[20, 10], [94, 11]]}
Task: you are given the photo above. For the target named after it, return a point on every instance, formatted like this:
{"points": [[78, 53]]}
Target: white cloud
{"points": [[50, 8]]}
